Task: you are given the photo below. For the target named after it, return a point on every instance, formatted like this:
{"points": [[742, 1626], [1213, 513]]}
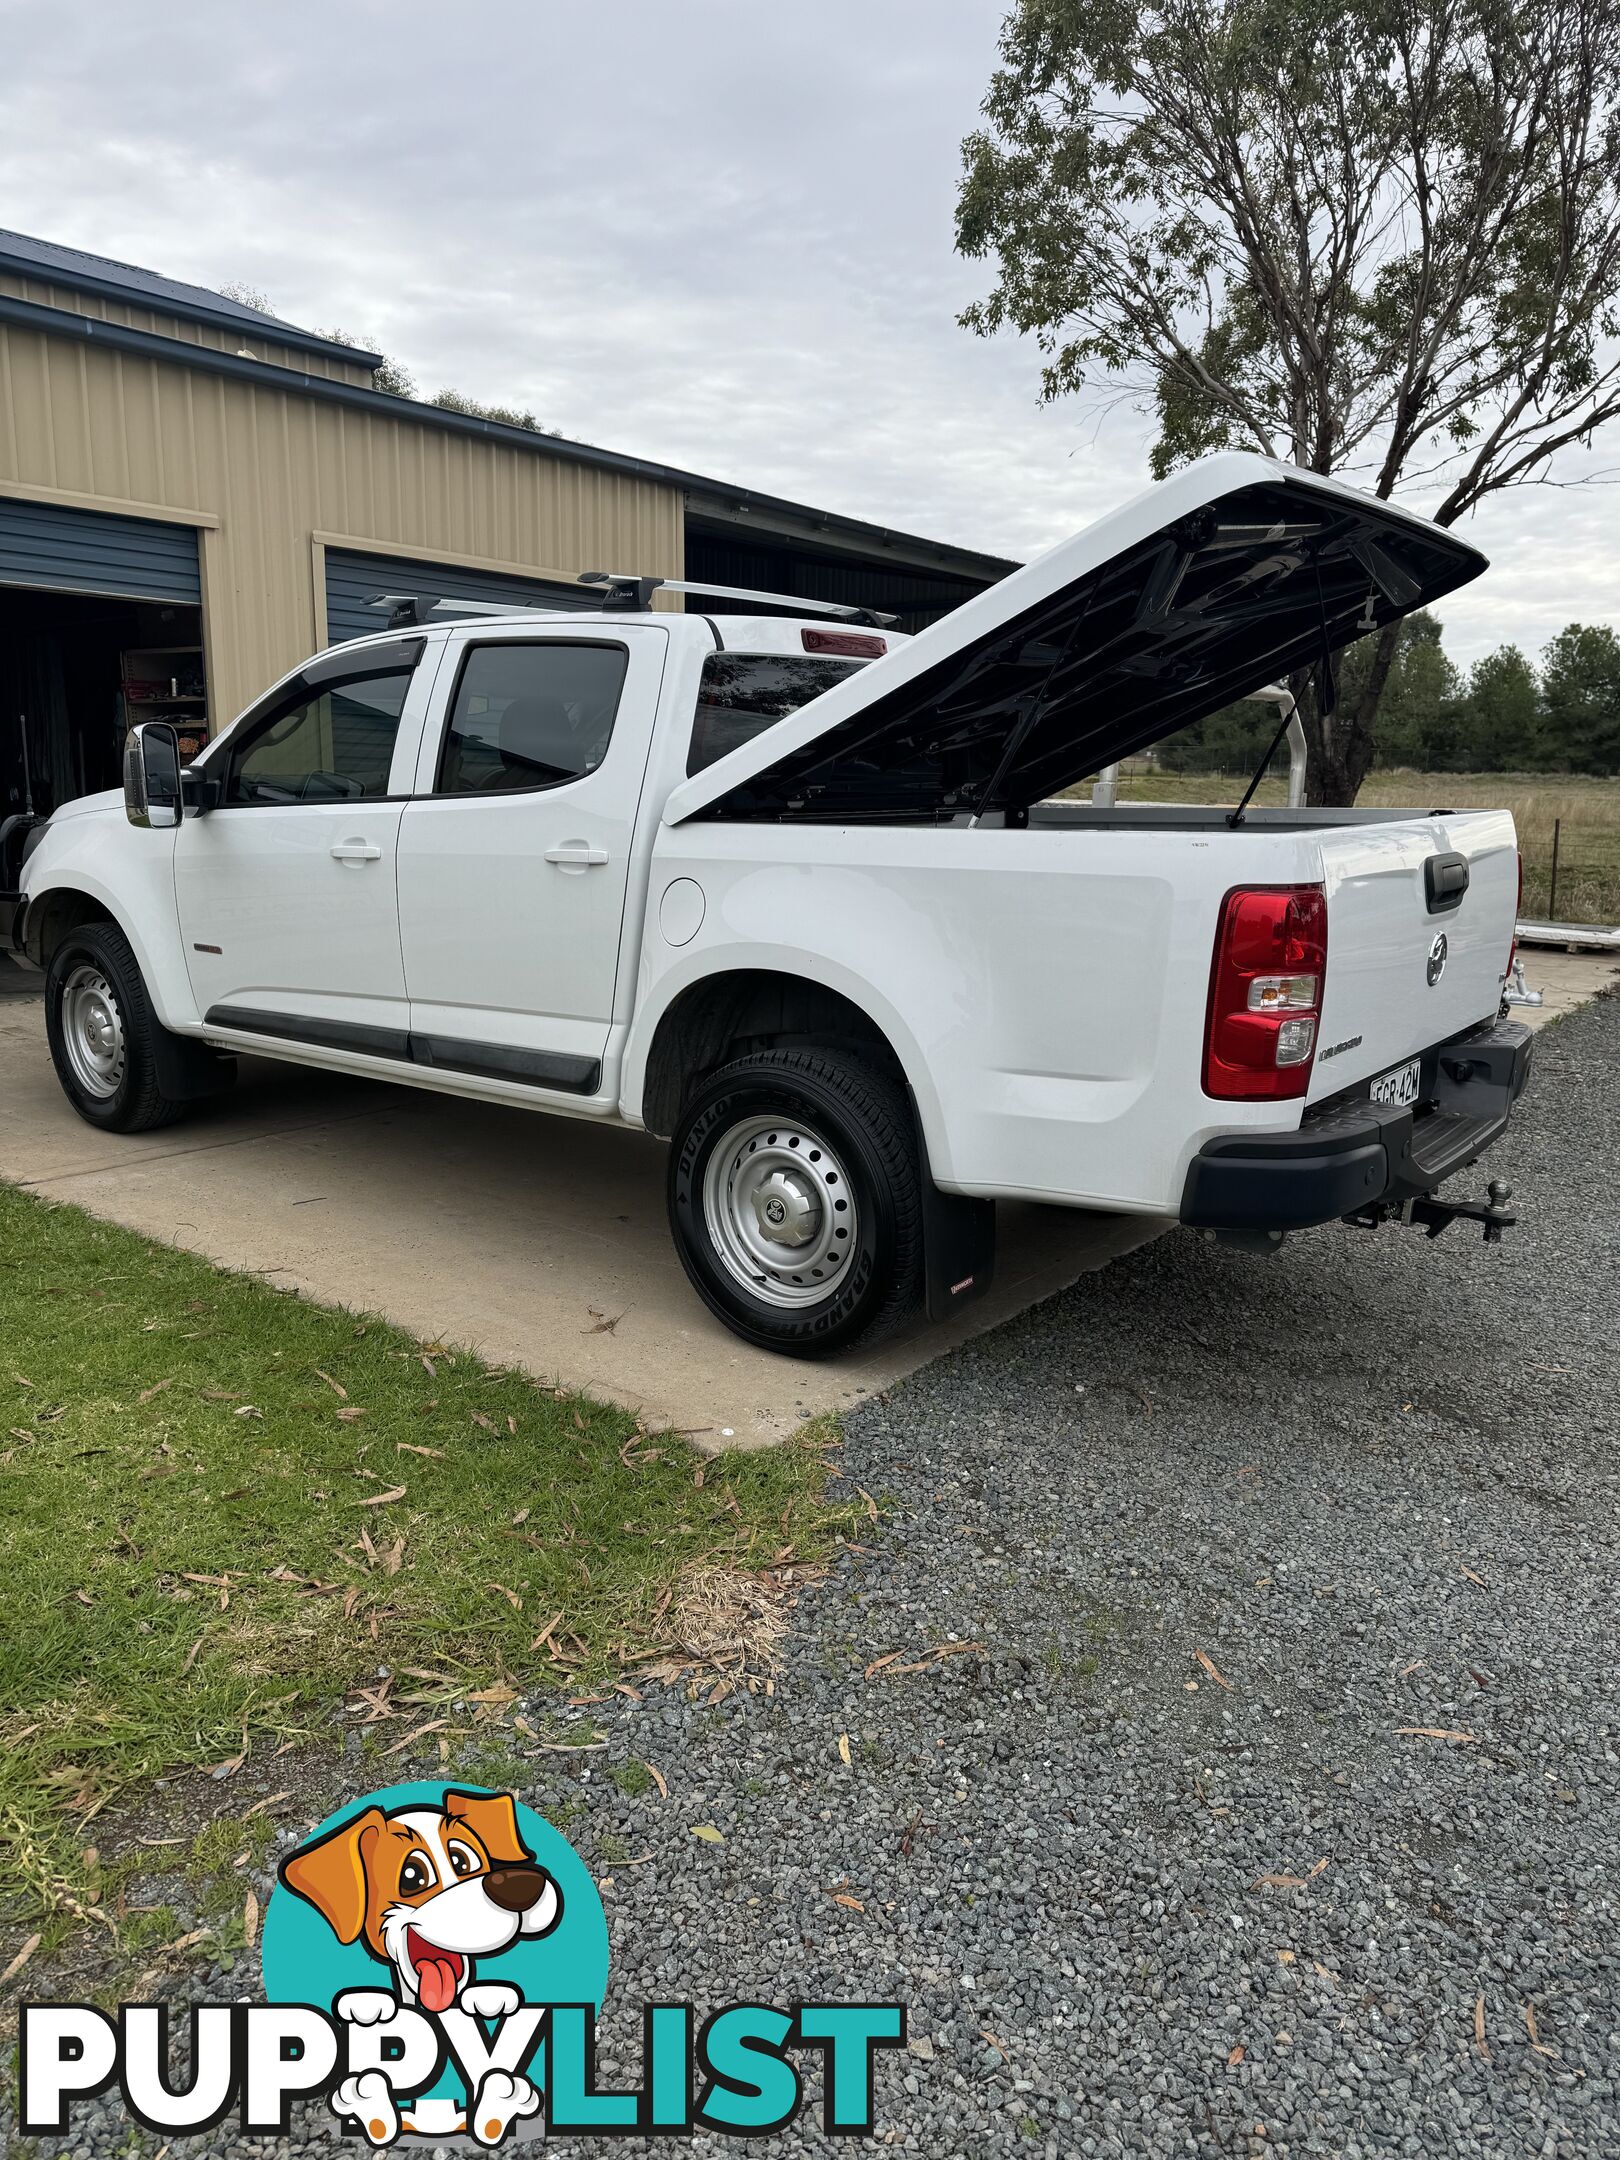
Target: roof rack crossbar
{"points": [[620, 590], [637, 592]]}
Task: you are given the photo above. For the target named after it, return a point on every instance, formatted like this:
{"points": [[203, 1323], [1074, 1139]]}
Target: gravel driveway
{"points": [[1278, 1811]]}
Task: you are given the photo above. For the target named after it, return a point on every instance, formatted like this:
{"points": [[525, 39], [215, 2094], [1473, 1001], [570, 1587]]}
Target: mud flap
{"points": [[959, 1240], [186, 1068]]}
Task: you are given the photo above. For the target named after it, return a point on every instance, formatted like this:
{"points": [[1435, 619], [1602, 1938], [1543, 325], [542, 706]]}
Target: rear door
{"points": [[515, 855], [1420, 919]]}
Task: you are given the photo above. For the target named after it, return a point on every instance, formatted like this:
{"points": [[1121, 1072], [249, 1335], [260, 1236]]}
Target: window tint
{"points": [[328, 748], [742, 694], [530, 716]]}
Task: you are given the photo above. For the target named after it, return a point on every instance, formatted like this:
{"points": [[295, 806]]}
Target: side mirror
{"points": [[152, 775]]}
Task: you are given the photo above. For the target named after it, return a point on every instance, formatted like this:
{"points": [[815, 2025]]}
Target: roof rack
{"points": [[628, 590], [621, 590]]}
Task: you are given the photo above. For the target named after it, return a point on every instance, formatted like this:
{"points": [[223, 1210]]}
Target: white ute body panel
{"points": [[1043, 986]]}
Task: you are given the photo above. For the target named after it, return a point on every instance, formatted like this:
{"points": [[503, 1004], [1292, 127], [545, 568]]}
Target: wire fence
{"points": [[1568, 825]]}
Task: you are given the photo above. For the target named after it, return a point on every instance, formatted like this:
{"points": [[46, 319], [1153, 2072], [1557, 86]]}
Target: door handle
{"points": [[575, 855], [354, 851]]}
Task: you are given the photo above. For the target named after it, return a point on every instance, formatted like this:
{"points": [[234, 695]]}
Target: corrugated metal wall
{"points": [[104, 308], [276, 477]]}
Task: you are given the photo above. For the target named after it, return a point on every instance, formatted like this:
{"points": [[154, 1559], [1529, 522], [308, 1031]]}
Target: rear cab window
{"points": [[741, 694]]}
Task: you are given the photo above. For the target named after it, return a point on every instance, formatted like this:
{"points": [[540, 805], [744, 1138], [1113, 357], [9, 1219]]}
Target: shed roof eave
{"points": [[705, 495]]}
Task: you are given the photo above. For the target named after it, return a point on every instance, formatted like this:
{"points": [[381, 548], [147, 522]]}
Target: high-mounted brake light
{"points": [[854, 644], [1265, 993]]}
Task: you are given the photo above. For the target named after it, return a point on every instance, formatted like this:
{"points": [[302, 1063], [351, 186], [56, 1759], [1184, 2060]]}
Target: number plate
{"points": [[1399, 1086]]}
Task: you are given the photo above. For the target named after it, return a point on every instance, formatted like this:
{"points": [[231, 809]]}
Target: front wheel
{"points": [[795, 1201], [104, 1036]]}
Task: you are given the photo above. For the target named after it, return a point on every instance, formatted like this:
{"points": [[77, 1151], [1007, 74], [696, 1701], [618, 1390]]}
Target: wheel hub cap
{"points": [[780, 1211], [93, 1031]]}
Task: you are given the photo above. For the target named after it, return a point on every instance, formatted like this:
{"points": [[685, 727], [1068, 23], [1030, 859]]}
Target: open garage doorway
{"points": [[76, 669]]}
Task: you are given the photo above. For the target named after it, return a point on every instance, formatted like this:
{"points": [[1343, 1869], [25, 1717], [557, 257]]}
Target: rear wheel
{"points": [[795, 1201], [104, 1037]]}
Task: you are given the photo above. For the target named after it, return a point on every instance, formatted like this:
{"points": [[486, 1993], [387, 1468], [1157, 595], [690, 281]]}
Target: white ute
{"points": [[799, 896]]}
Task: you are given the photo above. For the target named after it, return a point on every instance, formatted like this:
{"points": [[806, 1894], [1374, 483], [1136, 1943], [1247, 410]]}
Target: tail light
{"points": [[1265, 993], [856, 644]]}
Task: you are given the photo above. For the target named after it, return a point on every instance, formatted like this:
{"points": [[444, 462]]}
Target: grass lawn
{"points": [[222, 1508], [1587, 812]]}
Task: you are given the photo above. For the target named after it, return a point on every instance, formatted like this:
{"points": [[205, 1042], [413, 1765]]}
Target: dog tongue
{"points": [[436, 1984]]}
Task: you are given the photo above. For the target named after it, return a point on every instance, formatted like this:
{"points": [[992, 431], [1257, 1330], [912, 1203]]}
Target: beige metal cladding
{"points": [[275, 475], [45, 292]]}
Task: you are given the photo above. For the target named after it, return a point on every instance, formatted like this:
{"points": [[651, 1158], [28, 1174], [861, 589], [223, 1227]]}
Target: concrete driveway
{"points": [[539, 1242]]}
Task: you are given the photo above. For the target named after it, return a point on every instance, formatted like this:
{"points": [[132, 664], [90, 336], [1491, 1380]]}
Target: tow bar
{"points": [[1436, 1214]]}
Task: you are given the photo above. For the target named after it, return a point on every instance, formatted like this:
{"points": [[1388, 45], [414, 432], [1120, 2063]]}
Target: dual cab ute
{"points": [[802, 899]]}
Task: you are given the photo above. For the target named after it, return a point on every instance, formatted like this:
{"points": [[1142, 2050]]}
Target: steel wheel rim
{"points": [[93, 1032], [780, 1211]]}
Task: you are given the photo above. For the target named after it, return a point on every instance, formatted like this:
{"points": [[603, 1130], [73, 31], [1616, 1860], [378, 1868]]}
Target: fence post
{"points": [[1552, 895]]}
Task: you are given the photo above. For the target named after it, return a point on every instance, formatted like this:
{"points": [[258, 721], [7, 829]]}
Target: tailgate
{"points": [[1420, 919]]}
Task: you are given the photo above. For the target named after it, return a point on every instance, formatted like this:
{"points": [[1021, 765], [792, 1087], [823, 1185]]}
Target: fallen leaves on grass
{"points": [[421, 1732], [21, 1959], [338, 1389], [156, 1388], [350, 1414], [726, 1628], [381, 1499]]}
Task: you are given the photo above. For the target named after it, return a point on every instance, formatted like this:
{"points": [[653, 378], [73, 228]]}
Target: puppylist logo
{"points": [[435, 1960]]}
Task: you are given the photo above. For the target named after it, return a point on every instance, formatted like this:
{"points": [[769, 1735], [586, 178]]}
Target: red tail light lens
{"points": [[1265, 993], [855, 644]]}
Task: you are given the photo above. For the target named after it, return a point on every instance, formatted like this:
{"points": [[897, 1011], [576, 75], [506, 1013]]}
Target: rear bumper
{"points": [[1356, 1154]]}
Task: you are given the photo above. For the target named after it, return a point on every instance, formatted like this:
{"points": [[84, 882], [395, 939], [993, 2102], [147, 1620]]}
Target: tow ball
{"points": [[1435, 1214], [1493, 1211]]}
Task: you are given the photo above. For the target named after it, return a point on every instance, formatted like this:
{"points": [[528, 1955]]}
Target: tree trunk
{"points": [[1340, 744]]}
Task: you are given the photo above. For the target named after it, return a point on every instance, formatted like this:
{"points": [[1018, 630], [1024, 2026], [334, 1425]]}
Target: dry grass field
{"points": [[1586, 811]]}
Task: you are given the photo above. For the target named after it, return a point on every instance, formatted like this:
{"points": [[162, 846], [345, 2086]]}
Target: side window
{"points": [[530, 715], [330, 747], [742, 694]]}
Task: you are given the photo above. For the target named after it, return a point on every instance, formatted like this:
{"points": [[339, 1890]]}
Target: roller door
{"points": [[353, 578], [55, 549]]}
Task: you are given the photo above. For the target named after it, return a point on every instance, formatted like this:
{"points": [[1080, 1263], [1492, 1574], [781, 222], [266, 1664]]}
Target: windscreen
{"points": [[742, 694]]}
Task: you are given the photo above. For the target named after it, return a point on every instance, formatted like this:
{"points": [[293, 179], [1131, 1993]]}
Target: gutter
{"points": [[269, 375]]}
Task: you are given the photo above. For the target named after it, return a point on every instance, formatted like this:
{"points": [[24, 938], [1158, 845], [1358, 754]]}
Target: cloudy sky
{"points": [[714, 232]]}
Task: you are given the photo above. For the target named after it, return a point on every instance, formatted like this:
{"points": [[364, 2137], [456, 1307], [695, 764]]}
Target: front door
{"points": [[286, 890], [514, 858]]}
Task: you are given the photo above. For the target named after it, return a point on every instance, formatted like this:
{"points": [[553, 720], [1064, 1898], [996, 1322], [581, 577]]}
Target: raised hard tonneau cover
{"points": [[1225, 577]]}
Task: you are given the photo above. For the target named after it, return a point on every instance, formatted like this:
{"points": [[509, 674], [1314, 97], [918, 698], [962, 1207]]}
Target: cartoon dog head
{"points": [[428, 1889]]}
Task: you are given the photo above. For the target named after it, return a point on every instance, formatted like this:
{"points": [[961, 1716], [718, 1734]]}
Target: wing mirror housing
{"points": [[152, 775]]}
